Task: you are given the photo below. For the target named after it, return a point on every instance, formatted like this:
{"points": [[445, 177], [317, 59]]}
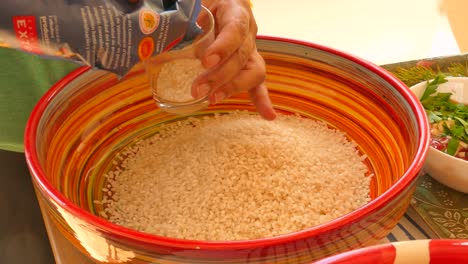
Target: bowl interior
{"points": [[89, 118]]}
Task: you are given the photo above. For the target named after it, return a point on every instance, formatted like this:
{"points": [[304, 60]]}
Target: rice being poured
{"points": [[235, 177]]}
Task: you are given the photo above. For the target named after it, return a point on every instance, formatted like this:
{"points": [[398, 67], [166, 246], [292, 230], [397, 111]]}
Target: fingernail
{"points": [[218, 97], [212, 61], [202, 90]]}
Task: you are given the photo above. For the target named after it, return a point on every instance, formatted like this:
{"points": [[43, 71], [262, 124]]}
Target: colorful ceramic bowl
{"points": [[443, 167], [414, 252], [84, 121]]}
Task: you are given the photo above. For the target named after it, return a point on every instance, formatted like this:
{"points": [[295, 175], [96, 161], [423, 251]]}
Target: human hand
{"points": [[233, 61]]}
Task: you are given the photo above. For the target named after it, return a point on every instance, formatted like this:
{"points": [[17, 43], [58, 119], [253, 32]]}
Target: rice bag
{"points": [[112, 35]]}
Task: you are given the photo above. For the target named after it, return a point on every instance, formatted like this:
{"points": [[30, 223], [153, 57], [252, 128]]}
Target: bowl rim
{"points": [[425, 248], [138, 237], [449, 78]]}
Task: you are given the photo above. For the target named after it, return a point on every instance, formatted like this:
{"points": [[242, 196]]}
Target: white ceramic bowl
{"points": [[447, 169]]}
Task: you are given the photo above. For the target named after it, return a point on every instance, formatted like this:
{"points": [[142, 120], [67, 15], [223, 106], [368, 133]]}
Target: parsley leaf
{"points": [[432, 86], [433, 116], [463, 122], [452, 146]]}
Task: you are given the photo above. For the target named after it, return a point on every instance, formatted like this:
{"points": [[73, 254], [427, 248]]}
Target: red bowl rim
{"points": [[125, 233], [436, 248]]}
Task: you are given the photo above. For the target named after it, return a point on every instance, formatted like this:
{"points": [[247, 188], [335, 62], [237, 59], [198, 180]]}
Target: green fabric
{"points": [[24, 78]]}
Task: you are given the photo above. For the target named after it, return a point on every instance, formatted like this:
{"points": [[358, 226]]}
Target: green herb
{"points": [[439, 108], [452, 146], [463, 122], [432, 86], [457, 69], [416, 74]]}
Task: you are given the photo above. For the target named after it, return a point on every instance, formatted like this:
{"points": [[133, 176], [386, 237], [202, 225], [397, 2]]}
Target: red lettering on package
{"points": [[26, 33]]}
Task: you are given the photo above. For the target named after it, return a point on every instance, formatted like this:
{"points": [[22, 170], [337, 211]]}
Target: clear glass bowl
{"points": [[85, 120], [191, 52]]}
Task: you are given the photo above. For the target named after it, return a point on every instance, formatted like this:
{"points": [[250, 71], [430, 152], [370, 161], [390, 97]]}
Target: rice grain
{"points": [[175, 79]]}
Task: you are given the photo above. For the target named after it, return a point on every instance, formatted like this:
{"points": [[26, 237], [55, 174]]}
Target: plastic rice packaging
{"points": [[112, 35]]}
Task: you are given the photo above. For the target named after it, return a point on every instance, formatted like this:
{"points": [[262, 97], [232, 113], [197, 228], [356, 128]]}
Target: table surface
{"points": [[369, 31]]}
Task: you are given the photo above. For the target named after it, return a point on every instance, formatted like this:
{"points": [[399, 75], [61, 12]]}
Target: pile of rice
{"points": [[235, 177]]}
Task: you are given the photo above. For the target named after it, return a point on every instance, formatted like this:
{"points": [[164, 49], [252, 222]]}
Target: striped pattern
{"points": [[441, 251], [84, 122], [410, 227]]}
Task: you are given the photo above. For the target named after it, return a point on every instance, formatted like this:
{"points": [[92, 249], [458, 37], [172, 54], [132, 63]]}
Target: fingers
{"points": [[261, 100], [258, 95], [234, 25], [251, 75], [228, 71], [250, 78], [232, 61]]}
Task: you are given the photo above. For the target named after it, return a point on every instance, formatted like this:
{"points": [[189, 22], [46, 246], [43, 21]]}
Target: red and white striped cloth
{"points": [[435, 251]]}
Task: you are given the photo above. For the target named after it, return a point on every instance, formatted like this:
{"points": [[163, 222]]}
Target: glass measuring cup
{"points": [[172, 73]]}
